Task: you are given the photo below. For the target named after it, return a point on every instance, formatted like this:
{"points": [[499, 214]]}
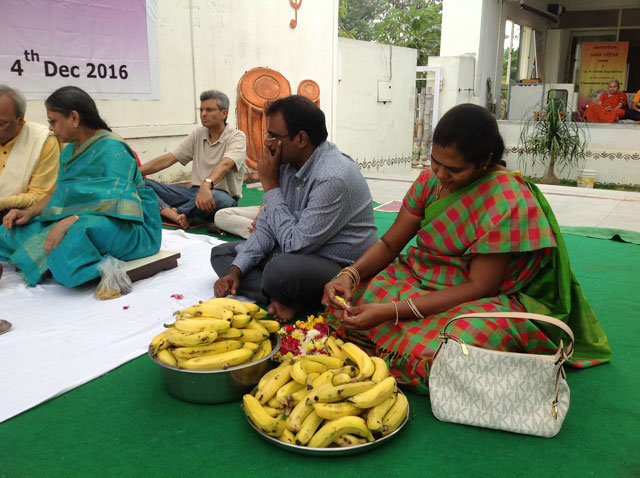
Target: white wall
{"points": [[378, 135], [210, 44], [613, 152]]}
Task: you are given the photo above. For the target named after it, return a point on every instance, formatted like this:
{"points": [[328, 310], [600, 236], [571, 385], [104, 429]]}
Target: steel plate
{"points": [[333, 450]]}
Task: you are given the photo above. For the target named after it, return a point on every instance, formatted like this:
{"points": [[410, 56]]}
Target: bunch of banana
{"points": [[345, 398], [215, 334]]}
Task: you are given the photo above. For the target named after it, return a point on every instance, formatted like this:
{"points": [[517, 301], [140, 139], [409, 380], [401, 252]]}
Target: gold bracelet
{"points": [[356, 274], [413, 308], [76, 216], [397, 314], [353, 279]]}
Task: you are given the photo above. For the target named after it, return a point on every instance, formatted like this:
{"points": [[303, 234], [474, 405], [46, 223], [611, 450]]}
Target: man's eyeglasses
{"points": [[268, 137]]}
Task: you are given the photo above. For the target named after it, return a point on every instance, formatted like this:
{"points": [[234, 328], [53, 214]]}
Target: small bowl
{"points": [[216, 386]]}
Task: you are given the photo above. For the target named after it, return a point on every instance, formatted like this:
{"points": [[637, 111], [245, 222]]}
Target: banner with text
{"points": [[106, 47], [601, 62]]}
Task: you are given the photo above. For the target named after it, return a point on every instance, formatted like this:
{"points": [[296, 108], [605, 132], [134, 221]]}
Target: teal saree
{"points": [[118, 216]]}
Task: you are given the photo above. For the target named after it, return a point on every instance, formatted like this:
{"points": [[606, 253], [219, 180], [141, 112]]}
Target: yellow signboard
{"points": [[601, 62]]}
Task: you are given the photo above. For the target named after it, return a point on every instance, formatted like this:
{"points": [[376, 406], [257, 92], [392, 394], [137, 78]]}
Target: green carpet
{"points": [[124, 423]]}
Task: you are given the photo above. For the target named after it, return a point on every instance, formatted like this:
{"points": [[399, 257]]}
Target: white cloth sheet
{"points": [[62, 338]]}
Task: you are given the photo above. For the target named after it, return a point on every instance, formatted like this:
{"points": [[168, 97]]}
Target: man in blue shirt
{"points": [[317, 216]]}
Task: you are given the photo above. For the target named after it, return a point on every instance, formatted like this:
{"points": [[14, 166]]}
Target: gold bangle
{"points": [[397, 314], [413, 308], [356, 274], [353, 279], [76, 216]]}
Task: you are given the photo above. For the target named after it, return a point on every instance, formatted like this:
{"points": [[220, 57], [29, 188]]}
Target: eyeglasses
{"points": [[268, 137]]}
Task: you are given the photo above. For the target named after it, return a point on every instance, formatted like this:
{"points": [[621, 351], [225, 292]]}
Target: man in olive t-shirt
{"points": [[218, 153]]}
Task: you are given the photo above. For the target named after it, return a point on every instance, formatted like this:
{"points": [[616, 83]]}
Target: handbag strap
{"points": [[568, 350]]}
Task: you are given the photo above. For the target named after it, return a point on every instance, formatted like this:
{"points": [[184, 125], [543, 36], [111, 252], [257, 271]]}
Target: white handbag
{"points": [[516, 392]]}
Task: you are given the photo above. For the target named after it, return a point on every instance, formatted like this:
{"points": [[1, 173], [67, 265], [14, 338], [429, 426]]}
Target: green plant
{"points": [[553, 137]]}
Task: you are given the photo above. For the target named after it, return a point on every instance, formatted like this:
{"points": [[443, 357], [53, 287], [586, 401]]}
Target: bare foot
{"points": [[282, 313], [173, 215]]}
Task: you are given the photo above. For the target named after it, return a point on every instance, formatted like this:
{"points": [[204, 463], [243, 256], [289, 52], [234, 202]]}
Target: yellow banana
{"points": [[231, 333], [268, 388], [275, 403], [381, 369], [300, 395], [287, 389], [330, 362], [349, 440], [308, 428], [303, 367], [338, 427], [375, 395], [259, 314], [310, 378], [159, 342], [341, 379], [256, 325], [348, 369], [274, 412], [218, 361], [252, 335], [334, 349], [270, 325], [331, 411], [396, 414], [239, 321], [375, 414], [253, 346], [201, 325], [298, 414], [325, 379], [208, 310], [264, 349], [167, 357], [190, 339], [236, 306], [360, 358], [266, 423], [186, 353], [288, 437], [340, 392]]}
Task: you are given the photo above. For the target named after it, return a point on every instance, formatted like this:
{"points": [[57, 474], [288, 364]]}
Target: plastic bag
{"points": [[114, 280]]}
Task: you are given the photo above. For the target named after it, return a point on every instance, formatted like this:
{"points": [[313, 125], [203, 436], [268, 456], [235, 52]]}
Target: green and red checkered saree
{"points": [[498, 213]]}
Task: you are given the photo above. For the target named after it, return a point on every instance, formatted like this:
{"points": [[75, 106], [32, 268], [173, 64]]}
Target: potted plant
{"points": [[553, 137]]}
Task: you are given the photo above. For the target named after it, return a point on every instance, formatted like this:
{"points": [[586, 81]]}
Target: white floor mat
{"points": [[62, 338]]}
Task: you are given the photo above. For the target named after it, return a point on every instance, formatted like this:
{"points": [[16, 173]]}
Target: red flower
{"points": [[177, 296], [125, 307], [322, 328], [289, 344]]}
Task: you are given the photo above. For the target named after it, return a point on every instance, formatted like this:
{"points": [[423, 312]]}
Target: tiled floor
{"points": [[581, 207]]}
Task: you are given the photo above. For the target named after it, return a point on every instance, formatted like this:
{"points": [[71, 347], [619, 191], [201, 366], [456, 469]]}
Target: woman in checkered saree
{"points": [[485, 240]]}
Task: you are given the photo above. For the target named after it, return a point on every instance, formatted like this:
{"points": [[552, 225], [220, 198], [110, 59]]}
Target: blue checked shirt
{"points": [[324, 208]]}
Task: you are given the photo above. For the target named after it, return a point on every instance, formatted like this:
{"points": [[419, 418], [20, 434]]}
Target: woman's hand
{"points": [[341, 286], [367, 316], [55, 235], [16, 217]]}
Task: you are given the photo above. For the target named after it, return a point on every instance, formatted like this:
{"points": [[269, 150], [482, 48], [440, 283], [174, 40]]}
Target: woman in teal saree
{"points": [[99, 206]]}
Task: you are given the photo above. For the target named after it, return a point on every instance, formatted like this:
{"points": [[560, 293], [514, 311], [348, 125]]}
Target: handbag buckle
{"points": [[444, 336], [554, 411]]}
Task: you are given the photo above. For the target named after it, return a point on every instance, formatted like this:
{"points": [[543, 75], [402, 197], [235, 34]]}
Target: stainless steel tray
{"points": [[332, 450]]}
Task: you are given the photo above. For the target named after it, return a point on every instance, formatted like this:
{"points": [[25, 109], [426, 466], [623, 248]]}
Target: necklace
{"points": [[438, 191]]}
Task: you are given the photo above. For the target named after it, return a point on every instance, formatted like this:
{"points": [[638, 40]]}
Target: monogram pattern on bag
{"points": [[504, 391]]}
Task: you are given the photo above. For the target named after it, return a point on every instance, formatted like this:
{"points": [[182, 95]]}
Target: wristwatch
{"points": [[207, 180]]}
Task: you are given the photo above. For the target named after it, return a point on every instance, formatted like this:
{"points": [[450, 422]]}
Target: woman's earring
{"points": [[75, 125]]}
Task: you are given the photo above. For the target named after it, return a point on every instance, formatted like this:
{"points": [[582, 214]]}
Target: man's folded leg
{"points": [[298, 280]]}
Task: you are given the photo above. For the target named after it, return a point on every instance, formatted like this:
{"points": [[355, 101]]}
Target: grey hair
{"points": [[219, 96], [19, 101], [616, 81]]}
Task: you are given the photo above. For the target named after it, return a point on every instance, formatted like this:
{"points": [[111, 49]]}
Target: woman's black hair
{"points": [[473, 131], [71, 98]]}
